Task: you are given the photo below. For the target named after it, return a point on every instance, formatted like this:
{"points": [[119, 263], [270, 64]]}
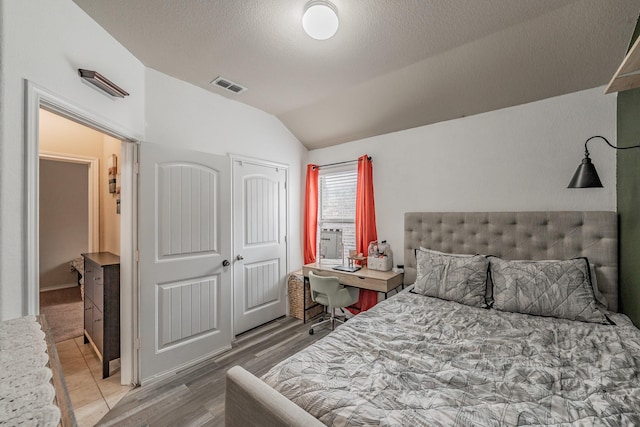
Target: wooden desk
{"points": [[374, 280]]}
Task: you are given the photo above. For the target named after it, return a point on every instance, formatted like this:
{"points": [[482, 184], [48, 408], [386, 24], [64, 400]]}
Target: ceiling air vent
{"points": [[228, 85]]}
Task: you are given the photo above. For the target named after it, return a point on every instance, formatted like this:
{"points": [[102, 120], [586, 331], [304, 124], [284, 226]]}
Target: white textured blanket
{"points": [[419, 361], [26, 392]]}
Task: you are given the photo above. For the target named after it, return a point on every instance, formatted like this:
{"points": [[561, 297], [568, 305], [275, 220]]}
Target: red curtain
{"points": [[365, 226], [311, 214]]}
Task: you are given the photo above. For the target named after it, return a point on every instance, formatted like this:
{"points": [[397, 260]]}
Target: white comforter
{"points": [[419, 361]]}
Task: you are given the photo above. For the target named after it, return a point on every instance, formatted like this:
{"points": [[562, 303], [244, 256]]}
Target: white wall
{"points": [[184, 115], [63, 136], [64, 223], [109, 218], [515, 159], [45, 42]]}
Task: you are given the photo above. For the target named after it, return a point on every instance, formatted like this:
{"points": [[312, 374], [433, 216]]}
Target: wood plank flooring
{"points": [[195, 396]]}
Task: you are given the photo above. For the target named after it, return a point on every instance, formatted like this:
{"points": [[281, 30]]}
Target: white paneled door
{"points": [[185, 277], [260, 247]]}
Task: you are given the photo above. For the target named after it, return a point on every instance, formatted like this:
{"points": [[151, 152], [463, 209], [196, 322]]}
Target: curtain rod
{"points": [[340, 163]]}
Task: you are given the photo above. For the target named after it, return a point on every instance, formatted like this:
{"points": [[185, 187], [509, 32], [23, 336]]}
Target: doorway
{"points": [[38, 98], [37, 101], [68, 227], [79, 189]]}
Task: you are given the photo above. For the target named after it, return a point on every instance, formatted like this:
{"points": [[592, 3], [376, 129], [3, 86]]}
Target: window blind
{"points": [[337, 206]]}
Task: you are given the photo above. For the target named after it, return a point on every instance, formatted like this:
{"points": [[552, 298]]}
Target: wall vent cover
{"points": [[228, 85]]}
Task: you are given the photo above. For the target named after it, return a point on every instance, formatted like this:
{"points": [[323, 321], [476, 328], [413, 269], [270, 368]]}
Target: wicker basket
{"points": [[296, 306]]}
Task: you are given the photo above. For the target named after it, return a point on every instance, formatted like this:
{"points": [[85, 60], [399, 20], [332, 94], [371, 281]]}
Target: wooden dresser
{"points": [[102, 305]]}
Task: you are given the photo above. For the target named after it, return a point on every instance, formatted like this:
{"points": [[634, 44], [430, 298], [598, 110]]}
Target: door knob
{"points": [[226, 263], [239, 257]]}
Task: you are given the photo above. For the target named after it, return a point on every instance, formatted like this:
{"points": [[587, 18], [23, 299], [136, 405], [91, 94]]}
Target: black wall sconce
{"points": [[586, 175], [102, 83]]}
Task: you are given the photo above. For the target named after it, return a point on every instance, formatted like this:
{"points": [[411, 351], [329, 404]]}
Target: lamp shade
{"points": [[585, 176], [320, 20]]}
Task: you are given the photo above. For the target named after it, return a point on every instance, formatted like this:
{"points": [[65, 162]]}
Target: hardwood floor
{"points": [[195, 397]]}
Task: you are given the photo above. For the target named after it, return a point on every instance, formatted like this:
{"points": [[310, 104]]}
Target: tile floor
{"points": [[91, 396]]}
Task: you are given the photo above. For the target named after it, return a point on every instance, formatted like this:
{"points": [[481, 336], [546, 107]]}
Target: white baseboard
{"points": [[56, 287]]}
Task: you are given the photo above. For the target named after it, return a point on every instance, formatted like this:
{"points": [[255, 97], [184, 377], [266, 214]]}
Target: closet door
{"points": [[260, 246], [185, 248]]}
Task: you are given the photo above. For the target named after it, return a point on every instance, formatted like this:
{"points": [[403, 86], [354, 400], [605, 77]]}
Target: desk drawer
{"points": [[364, 282]]}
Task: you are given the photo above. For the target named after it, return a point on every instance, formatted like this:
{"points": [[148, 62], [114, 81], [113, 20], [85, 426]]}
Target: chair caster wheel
{"points": [[310, 331]]}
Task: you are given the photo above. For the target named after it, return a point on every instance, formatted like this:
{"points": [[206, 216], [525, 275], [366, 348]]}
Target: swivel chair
{"points": [[328, 291]]}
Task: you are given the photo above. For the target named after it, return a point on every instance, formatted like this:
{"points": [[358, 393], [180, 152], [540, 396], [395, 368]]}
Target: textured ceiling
{"points": [[392, 65]]}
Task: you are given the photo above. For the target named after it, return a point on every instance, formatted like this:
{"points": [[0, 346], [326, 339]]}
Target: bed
{"points": [[420, 360]]}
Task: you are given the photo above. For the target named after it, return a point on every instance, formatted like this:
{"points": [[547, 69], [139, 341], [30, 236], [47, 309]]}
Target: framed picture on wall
{"points": [[118, 200], [112, 165]]}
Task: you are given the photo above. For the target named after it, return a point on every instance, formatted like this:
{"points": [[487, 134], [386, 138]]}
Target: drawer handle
{"points": [[97, 278], [97, 320], [88, 308]]}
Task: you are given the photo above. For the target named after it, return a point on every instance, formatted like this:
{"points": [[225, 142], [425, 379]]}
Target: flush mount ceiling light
{"points": [[320, 20]]}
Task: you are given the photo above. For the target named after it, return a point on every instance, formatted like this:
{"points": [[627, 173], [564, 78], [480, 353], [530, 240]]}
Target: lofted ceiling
{"points": [[393, 65]]}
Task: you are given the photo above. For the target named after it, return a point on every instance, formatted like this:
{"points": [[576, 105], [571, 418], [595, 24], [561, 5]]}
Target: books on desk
{"points": [[346, 268]]}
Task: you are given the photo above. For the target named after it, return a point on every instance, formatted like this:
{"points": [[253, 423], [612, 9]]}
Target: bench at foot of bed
{"points": [[251, 402]]}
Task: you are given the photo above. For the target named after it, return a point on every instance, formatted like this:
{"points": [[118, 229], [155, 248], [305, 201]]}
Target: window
{"points": [[337, 215]]}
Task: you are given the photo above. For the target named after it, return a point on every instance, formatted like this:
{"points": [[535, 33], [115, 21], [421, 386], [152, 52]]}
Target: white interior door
{"points": [[259, 244], [185, 238]]}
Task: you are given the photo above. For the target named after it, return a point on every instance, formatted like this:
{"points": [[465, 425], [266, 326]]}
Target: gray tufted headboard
{"points": [[519, 235]]}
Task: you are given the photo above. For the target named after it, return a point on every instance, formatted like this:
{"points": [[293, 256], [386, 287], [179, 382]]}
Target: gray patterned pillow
{"points": [[545, 288], [460, 278]]}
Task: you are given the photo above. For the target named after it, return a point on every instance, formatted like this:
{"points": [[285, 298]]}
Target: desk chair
{"points": [[327, 290]]}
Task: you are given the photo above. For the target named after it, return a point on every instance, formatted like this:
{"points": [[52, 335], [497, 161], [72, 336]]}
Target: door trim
{"points": [[268, 163], [93, 196], [37, 97], [260, 162]]}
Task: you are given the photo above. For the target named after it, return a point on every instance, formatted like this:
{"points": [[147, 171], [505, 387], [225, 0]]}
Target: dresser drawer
{"points": [[98, 290], [98, 275], [88, 279], [88, 316], [98, 330]]}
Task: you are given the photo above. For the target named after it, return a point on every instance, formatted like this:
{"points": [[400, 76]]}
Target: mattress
{"points": [[413, 360]]}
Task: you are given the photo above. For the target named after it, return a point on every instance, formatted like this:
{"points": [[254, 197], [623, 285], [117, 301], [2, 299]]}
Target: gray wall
{"points": [[63, 220]]}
